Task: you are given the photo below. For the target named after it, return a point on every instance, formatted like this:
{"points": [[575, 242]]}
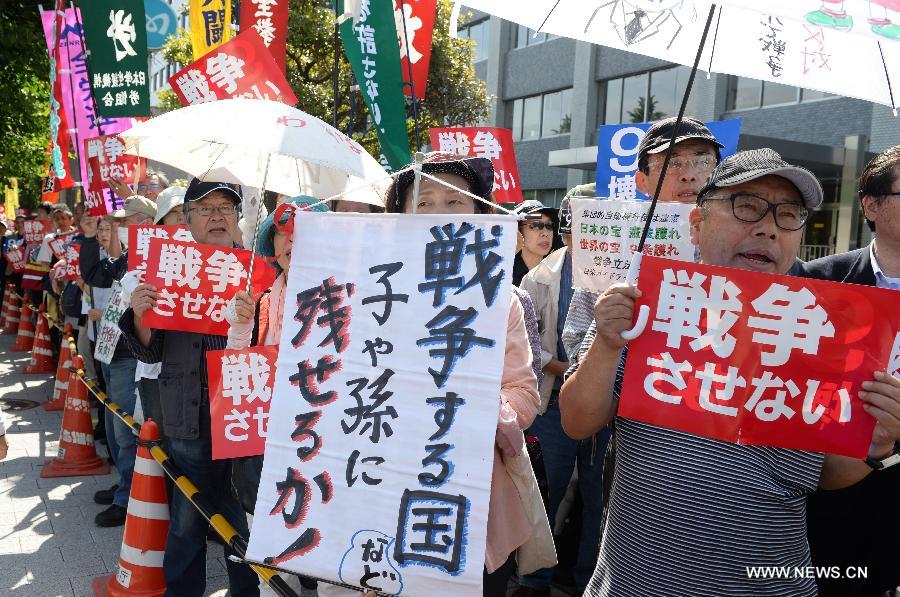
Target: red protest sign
{"points": [[106, 160], [419, 16], [58, 243], [240, 391], [139, 242], [36, 230], [496, 144], [195, 283], [16, 258], [758, 359], [269, 19], [73, 261], [242, 67]]}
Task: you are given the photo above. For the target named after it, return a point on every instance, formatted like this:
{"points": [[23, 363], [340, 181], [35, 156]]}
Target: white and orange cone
{"points": [[12, 316], [61, 386], [42, 348], [25, 337], [146, 528]]}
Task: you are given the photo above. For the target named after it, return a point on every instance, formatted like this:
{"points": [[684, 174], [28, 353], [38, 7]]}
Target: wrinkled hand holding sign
{"points": [[381, 431]]}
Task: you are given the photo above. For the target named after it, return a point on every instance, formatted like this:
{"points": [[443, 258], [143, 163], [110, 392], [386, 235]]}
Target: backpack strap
{"points": [[261, 319]]}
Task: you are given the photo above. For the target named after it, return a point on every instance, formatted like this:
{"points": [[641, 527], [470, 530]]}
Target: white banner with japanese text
{"points": [[605, 234], [380, 441]]}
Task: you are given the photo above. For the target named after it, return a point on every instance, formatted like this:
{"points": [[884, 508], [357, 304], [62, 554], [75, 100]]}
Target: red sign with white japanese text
{"points": [[16, 258], [139, 242], [240, 391], [58, 244], [195, 283], [73, 261], [242, 67], [496, 144], [269, 19], [107, 161], [419, 31], [758, 359], [36, 230]]}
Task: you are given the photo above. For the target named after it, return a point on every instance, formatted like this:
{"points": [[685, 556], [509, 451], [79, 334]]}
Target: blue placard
{"points": [[161, 23], [617, 156]]}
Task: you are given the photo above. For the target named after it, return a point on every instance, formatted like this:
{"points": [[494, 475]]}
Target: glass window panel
{"points": [[682, 74], [634, 95], [517, 120], [531, 118], [613, 106], [550, 120], [812, 94], [776, 93], [521, 36], [565, 115], [743, 93], [662, 101]]}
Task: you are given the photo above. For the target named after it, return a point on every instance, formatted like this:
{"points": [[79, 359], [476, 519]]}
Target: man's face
{"points": [[20, 225], [61, 220], [758, 246], [885, 213], [207, 222], [42, 214], [691, 164]]}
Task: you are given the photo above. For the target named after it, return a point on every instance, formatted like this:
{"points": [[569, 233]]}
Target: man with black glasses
{"points": [[689, 515]]}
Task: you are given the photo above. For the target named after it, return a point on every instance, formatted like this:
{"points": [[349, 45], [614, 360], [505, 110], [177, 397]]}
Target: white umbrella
{"points": [[260, 143]]}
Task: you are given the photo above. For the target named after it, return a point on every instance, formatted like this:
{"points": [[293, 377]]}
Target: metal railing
{"points": [[810, 252]]}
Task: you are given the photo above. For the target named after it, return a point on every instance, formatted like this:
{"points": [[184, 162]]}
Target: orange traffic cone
{"points": [[58, 402], [42, 349], [25, 337], [146, 527], [5, 313], [77, 456], [12, 316]]}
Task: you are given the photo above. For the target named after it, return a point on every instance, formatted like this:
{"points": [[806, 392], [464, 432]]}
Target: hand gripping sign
{"points": [[195, 283], [496, 144], [758, 359], [240, 391], [242, 67]]}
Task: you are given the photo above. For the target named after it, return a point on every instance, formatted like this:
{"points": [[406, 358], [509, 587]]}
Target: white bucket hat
{"points": [[168, 200]]}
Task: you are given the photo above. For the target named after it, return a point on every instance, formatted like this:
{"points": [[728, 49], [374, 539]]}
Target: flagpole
{"points": [[412, 85], [337, 58]]}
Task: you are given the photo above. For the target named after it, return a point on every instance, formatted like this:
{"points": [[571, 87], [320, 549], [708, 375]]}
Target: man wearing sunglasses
{"points": [[687, 515], [856, 537]]}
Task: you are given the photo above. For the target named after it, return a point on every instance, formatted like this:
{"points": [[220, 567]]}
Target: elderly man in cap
{"points": [[688, 515], [211, 212], [119, 374]]}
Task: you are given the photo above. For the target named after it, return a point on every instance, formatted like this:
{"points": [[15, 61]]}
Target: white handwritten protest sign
{"points": [[381, 432], [108, 333], [605, 234]]}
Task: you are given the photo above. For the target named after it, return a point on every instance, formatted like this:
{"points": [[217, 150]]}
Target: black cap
{"points": [[745, 166], [659, 135], [198, 190], [478, 172]]}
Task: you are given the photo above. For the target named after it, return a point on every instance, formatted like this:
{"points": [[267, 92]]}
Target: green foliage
{"points": [[636, 115], [25, 90], [454, 97]]}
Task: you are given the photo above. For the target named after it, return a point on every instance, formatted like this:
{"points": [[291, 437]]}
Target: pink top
{"points": [[508, 525]]}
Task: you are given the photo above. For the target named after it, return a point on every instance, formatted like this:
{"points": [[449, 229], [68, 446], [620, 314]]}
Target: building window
{"points": [[750, 94], [645, 97], [540, 116], [480, 33], [523, 36]]}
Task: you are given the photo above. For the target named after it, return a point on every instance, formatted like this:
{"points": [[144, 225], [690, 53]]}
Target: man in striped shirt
{"points": [[689, 515]]}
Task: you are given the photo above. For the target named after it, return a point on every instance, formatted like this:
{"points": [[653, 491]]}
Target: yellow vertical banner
{"points": [[210, 25], [12, 199]]}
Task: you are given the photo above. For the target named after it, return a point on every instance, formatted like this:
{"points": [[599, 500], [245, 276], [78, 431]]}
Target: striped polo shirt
{"points": [[689, 515]]}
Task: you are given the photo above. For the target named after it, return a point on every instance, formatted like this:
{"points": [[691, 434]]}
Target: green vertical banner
{"points": [[116, 35], [372, 50]]}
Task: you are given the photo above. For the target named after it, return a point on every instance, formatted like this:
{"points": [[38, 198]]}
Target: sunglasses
{"points": [[541, 226], [284, 217]]}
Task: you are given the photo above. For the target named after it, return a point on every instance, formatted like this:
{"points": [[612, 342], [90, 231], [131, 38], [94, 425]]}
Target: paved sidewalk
{"points": [[49, 544]]}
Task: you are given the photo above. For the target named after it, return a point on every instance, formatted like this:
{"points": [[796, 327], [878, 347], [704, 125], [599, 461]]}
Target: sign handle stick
{"points": [[412, 85], [635, 264], [262, 193]]}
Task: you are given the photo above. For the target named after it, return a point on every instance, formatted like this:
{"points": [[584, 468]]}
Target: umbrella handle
{"points": [[417, 170], [644, 312]]}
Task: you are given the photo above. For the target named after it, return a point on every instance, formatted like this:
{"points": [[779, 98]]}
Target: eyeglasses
{"points": [[753, 208], [207, 210], [541, 226], [700, 163]]}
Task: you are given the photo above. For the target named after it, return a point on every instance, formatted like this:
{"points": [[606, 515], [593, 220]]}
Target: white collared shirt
{"points": [[881, 280]]}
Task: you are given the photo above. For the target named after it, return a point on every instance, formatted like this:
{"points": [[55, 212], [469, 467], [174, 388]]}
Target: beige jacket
{"points": [[542, 284]]}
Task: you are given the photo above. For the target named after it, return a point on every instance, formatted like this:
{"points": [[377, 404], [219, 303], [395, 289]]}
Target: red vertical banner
{"points": [[495, 144], [418, 16], [240, 391], [59, 176], [269, 18], [758, 359]]}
